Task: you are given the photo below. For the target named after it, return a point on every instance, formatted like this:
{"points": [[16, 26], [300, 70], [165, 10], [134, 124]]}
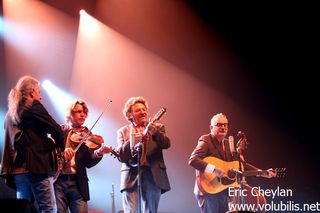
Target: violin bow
{"points": [[89, 132]]}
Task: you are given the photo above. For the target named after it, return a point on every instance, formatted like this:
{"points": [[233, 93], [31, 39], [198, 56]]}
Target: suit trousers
{"points": [[150, 195], [213, 203]]}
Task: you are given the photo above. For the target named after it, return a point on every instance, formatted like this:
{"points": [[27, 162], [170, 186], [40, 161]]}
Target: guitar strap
{"points": [[227, 151], [143, 158]]}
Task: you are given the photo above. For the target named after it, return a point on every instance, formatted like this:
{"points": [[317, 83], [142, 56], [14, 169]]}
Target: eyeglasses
{"points": [[222, 124]]}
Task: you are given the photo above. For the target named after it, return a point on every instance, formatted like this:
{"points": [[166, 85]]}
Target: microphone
{"points": [[132, 140], [231, 144]]}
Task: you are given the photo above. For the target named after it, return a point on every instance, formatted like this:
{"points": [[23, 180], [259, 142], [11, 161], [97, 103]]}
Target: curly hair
{"points": [[71, 108], [127, 110]]}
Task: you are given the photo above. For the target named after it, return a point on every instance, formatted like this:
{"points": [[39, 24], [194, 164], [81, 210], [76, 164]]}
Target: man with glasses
{"points": [[211, 196]]}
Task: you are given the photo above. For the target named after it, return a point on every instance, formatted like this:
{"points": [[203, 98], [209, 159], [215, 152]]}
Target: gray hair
{"points": [[216, 116], [19, 94]]}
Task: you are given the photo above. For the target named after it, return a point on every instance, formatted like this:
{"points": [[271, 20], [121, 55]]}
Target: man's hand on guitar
{"points": [[151, 129], [138, 136], [218, 172], [270, 173]]}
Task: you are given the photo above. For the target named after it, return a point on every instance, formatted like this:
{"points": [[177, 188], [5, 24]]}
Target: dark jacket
{"points": [[27, 148], [156, 144], [208, 146], [84, 159]]}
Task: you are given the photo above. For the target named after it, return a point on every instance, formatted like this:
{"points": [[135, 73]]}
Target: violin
{"points": [[90, 140]]}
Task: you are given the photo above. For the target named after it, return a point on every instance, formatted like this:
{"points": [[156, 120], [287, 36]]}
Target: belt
{"points": [[68, 177]]}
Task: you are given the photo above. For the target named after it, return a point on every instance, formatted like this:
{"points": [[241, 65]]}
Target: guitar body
{"points": [[57, 158], [59, 162], [212, 184]]}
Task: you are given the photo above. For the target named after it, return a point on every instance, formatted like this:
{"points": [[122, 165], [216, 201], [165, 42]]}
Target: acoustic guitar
{"points": [[212, 184]]}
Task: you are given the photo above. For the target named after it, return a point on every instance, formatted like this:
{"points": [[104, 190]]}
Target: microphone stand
{"points": [[139, 176], [136, 150], [240, 178], [240, 148], [239, 172], [113, 207]]}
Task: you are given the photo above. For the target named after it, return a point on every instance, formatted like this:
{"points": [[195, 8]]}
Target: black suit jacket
{"points": [[32, 152], [156, 143], [84, 159], [27, 148], [208, 146]]}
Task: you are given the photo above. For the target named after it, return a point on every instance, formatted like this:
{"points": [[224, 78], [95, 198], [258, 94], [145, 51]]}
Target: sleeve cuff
{"points": [[210, 168], [96, 154]]}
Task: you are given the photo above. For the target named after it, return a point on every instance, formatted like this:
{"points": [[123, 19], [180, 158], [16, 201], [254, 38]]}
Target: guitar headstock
{"points": [[279, 172], [159, 114], [242, 143]]}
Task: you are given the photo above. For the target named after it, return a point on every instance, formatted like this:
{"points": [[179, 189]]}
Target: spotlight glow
{"points": [[1, 25], [82, 12], [2, 117], [60, 98], [46, 84], [88, 25]]}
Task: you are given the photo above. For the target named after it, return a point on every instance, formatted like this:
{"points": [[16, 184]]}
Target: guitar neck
{"points": [[255, 173], [155, 118], [279, 172], [158, 115]]}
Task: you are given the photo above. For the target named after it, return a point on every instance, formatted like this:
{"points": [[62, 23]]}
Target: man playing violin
{"points": [[215, 146], [83, 150]]}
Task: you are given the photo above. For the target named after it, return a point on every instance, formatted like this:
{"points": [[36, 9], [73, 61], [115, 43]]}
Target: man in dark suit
{"points": [[146, 140], [83, 150], [27, 161], [216, 145]]}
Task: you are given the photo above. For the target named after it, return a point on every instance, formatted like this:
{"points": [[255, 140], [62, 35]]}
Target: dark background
{"points": [[279, 44]]}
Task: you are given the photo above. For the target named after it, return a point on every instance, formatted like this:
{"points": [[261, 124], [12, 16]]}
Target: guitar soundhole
{"points": [[226, 181]]}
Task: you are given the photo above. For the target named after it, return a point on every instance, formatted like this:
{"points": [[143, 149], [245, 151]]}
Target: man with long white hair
{"points": [[27, 160]]}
